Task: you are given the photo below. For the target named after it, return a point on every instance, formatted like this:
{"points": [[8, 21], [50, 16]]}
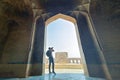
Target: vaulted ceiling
{"points": [[108, 7], [57, 5]]}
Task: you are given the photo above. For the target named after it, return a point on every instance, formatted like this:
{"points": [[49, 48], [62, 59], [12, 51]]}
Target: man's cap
{"points": [[50, 48]]}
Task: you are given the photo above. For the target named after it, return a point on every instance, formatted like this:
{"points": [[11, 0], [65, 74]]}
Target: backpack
{"points": [[48, 53]]}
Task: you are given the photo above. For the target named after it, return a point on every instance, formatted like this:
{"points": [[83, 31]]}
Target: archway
{"points": [[84, 33], [72, 21]]}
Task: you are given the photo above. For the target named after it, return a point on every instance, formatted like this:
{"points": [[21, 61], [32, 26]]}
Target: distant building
{"points": [[62, 57]]}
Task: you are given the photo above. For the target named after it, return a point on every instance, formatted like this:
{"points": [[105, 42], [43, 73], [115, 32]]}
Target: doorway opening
{"points": [[61, 33]]}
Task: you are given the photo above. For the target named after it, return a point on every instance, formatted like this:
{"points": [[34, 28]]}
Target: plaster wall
{"points": [[16, 49], [105, 15]]}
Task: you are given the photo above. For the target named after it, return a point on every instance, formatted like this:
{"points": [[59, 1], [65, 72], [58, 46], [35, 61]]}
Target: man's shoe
{"points": [[54, 72]]}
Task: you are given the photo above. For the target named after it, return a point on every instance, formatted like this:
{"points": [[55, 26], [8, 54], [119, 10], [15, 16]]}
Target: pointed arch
{"points": [[59, 15], [74, 21]]}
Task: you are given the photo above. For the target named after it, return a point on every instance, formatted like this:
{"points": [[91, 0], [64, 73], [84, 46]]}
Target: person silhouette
{"points": [[51, 59]]}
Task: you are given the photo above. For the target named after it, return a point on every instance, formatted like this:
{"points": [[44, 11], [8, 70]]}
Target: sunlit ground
{"points": [[67, 71], [67, 68]]}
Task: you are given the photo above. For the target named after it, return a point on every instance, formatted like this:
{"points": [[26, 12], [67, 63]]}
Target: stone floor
{"points": [[58, 76]]}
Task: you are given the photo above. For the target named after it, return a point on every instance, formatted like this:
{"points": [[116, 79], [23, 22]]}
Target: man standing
{"points": [[51, 59]]}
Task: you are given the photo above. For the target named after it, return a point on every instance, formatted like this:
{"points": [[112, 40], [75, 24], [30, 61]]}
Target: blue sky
{"points": [[62, 36]]}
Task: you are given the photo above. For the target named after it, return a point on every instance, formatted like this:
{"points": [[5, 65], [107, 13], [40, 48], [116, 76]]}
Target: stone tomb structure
{"points": [[23, 35], [61, 57]]}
